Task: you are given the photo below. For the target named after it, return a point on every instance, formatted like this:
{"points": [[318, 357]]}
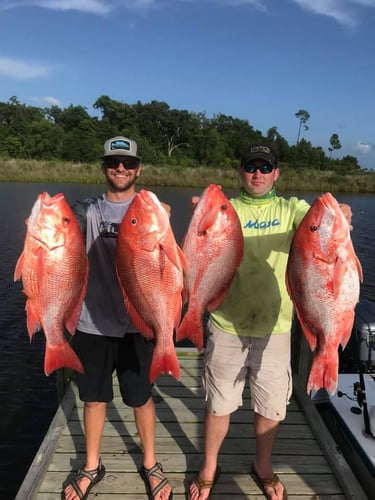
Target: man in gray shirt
{"points": [[106, 340]]}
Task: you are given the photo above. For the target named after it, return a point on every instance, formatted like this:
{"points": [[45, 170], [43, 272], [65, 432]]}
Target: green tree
{"points": [[334, 143], [303, 117], [278, 142], [211, 150], [236, 134], [45, 141]]}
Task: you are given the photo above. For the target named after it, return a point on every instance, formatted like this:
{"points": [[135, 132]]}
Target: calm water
{"points": [[28, 398]]}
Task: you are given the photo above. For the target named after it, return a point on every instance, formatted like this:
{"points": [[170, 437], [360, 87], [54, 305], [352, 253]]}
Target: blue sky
{"points": [[258, 60]]}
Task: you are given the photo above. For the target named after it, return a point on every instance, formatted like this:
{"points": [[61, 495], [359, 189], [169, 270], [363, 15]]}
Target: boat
{"points": [[349, 414]]}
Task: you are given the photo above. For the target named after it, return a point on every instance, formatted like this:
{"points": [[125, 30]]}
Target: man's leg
{"points": [[145, 422], [265, 435], [94, 419], [215, 429]]}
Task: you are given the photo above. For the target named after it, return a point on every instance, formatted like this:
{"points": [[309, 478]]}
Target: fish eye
{"points": [[313, 228], [224, 207], [66, 221], [133, 221]]}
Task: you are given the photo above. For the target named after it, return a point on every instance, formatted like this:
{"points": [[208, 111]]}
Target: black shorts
{"points": [[100, 356]]}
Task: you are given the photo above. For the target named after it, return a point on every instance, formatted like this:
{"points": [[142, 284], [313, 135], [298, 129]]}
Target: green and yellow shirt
{"points": [[258, 303]]}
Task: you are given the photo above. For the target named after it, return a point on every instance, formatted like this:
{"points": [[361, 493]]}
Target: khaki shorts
{"points": [[230, 359]]}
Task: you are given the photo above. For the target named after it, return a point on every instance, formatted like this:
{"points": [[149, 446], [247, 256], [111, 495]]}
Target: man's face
{"points": [[257, 183], [121, 172]]}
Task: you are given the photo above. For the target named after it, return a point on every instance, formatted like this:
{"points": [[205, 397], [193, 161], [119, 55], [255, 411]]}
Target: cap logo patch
{"points": [[260, 149], [120, 144]]}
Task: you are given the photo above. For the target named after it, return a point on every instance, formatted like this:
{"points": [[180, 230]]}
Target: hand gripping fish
{"points": [[213, 247], [54, 269], [149, 266], [323, 280]]}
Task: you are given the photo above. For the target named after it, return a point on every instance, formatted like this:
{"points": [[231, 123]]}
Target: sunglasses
{"points": [[128, 163], [250, 168]]}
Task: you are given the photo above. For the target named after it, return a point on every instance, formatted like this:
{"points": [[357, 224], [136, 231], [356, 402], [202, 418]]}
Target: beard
{"points": [[120, 187]]}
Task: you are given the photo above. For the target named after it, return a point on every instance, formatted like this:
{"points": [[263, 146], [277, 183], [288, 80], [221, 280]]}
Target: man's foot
{"points": [[201, 489], [272, 487], [157, 485], [79, 487]]}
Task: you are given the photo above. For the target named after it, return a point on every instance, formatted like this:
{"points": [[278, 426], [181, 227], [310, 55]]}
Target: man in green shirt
{"points": [[249, 334]]}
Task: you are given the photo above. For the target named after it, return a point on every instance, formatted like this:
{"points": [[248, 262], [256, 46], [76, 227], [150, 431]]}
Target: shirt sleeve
{"points": [[301, 208]]}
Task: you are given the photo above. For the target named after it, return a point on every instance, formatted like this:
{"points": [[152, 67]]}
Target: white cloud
{"points": [[90, 6], [259, 4], [50, 101], [21, 70], [345, 12], [106, 6], [364, 148]]}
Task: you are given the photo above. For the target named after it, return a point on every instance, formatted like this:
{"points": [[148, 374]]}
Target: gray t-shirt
{"points": [[103, 311]]}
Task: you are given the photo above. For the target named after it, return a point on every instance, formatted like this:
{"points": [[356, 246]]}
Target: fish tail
{"points": [[323, 374], [192, 329], [61, 356], [165, 363]]}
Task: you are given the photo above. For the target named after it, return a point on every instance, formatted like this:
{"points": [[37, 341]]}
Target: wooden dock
{"points": [[305, 456]]}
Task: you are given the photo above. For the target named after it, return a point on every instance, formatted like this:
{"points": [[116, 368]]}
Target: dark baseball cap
{"points": [[260, 152]]}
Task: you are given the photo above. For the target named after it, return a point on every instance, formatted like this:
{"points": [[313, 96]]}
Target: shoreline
{"points": [[301, 179]]}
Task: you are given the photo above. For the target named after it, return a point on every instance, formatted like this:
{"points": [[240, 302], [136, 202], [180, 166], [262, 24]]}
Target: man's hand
{"points": [[166, 207], [347, 211], [194, 202]]}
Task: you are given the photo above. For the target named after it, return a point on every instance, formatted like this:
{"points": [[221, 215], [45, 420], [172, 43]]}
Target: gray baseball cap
{"points": [[120, 146]]}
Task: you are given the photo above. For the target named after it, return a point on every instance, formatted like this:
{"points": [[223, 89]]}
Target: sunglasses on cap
{"points": [[250, 168], [128, 163]]}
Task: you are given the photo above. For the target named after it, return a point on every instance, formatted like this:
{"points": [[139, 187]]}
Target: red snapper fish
{"points": [[213, 247], [149, 266], [323, 280], [54, 269]]}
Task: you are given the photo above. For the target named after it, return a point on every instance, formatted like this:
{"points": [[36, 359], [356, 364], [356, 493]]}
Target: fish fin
{"points": [[207, 221], [32, 319], [19, 267], [60, 356], [166, 363], [216, 302], [359, 269], [192, 329], [185, 295], [310, 337], [72, 321], [346, 331], [339, 272], [323, 373], [173, 255], [138, 321], [183, 260]]}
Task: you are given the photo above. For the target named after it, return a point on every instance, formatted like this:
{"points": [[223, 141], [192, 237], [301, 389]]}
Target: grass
{"points": [[15, 170]]}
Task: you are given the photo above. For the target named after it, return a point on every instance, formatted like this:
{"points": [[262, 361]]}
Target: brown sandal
{"points": [[268, 483], [203, 484]]}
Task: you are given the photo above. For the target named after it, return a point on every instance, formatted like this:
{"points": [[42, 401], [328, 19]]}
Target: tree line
{"points": [[164, 135]]}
